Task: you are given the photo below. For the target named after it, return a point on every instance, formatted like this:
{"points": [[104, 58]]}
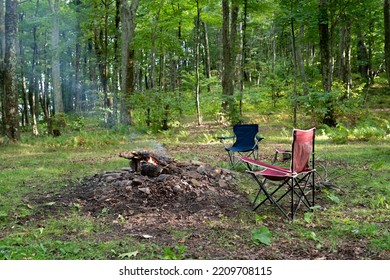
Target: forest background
{"points": [[82, 81], [152, 62]]}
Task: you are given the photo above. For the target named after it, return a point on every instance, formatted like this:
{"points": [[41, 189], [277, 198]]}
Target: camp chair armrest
{"points": [[225, 137], [222, 139], [254, 162], [259, 138]]}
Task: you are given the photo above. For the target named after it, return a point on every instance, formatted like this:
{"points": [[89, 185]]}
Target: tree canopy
{"points": [[152, 62]]}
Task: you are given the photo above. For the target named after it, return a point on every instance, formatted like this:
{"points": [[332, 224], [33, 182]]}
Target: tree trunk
{"points": [[128, 14], [387, 37], [294, 54], [300, 60], [324, 45], [363, 58], [101, 49], [227, 62], [244, 52], [11, 112], [116, 64], [207, 60], [2, 66], [55, 54], [197, 71], [326, 63], [345, 72], [77, 69]]}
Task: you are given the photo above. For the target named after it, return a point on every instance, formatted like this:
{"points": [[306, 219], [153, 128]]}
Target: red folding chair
{"points": [[295, 180]]}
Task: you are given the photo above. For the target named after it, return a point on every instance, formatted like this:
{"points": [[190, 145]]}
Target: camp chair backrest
{"points": [[303, 148], [245, 134]]}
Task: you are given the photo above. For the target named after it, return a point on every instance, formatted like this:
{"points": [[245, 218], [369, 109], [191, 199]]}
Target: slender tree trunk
{"points": [[32, 84], [152, 76], [324, 44], [300, 61], [197, 71], [116, 63], [11, 112], [363, 58], [77, 78], [326, 63], [128, 15], [25, 118], [101, 49], [345, 72], [55, 53], [207, 60], [2, 66], [244, 51], [386, 8], [227, 62], [294, 54]]}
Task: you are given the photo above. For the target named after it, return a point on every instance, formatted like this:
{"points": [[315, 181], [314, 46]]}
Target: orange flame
{"points": [[152, 161]]}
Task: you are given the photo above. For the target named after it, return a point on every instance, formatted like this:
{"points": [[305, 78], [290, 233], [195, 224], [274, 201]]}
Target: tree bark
{"points": [[55, 54], [324, 44], [116, 63], [197, 71], [207, 60], [227, 62], [294, 54], [2, 66], [128, 15], [386, 8], [11, 112], [244, 53], [326, 60], [77, 69], [345, 72]]}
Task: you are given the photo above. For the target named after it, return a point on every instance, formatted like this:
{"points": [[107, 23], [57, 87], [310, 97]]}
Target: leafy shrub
{"points": [[367, 133], [339, 134]]}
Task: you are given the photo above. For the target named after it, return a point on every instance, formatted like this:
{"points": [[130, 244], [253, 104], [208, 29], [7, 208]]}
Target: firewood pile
{"points": [[158, 183]]}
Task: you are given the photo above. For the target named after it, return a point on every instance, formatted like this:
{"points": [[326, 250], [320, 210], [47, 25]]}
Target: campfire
{"points": [[157, 185], [147, 163]]}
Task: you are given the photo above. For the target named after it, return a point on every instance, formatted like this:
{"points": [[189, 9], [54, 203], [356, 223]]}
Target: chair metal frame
{"points": [[297, 178], [245, 142]]}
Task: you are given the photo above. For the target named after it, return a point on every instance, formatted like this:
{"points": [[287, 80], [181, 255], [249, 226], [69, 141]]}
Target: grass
{"points": [[355, 213]]}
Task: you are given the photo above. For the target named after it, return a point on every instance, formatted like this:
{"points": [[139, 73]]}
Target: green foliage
{"points": [[331, 196], [261, 235], [176, 253], [379, 202], [367, 130], [339, 134]]}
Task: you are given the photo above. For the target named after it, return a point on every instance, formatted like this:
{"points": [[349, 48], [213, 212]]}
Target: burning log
{"points": [[147, 163]]}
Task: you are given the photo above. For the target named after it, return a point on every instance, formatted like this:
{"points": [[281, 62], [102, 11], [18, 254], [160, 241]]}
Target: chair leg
{"points": [[231, 155], [312, 189], [292, 200], [269, 196], [300, 192]]}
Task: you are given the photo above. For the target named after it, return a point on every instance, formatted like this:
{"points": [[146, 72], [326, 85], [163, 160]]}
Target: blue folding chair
{"points": [[245, 142]]}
